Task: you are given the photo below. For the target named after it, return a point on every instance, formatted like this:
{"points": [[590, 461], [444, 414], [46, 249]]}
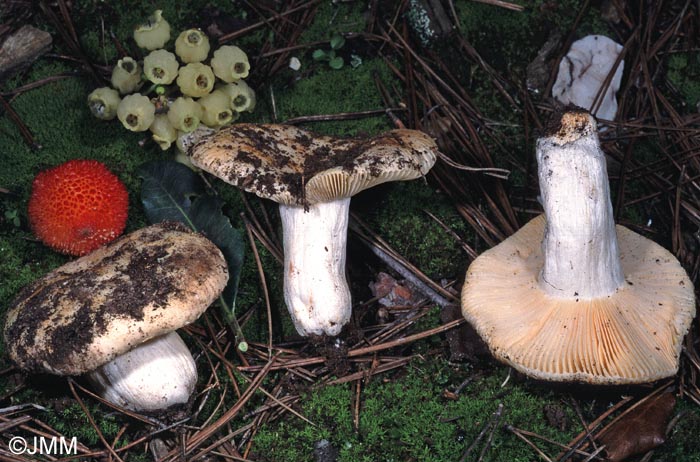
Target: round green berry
{"points": [[136, 112], [196, 80], [154, 33], [160, 67], [230, 63], [185, 114], [126, 75], [103, 103], [192, 46]]}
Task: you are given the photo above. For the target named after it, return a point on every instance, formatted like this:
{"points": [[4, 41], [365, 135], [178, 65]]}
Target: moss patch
{"points": [[407, 417], [400, 217], [328, 91], [684, 75]]}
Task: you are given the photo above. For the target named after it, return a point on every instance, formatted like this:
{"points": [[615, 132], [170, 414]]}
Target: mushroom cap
{"points": [[583, 71], [90, 310], [631, 336], [292, 166]]}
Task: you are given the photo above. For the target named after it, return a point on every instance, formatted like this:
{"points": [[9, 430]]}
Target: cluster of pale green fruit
{"points": [[185, 92]]}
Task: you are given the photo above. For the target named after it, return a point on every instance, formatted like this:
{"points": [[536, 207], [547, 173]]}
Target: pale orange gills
{"points": [[571, 296]]}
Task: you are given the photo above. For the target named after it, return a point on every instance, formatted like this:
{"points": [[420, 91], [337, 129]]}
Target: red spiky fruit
{"points": [[77, 206]]}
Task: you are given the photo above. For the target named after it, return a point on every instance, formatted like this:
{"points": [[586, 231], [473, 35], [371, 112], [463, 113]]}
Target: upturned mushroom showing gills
{"points": [[571, 296], [312, 178], [112, 315]]}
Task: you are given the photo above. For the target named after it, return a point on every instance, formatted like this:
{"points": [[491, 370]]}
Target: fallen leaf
{"points": [[641, 430], [464, 342], [383, 285], [391, 292]]}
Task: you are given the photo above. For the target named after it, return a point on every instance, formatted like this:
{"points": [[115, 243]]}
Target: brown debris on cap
{"points": [[90, 310], [631, 336], [295, 167]]}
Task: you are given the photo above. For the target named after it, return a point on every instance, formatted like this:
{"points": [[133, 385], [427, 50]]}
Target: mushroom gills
{"points": [[315, 289], [155, 375]]}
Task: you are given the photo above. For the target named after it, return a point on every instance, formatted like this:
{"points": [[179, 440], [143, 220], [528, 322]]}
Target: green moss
{"points": [[334, 18], [682, 443], [684, 75], [401, 219], [329, 91], [407, 418]]}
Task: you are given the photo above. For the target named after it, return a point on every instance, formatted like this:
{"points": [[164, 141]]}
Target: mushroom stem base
{"points": [[153, 376], [315, 289]]}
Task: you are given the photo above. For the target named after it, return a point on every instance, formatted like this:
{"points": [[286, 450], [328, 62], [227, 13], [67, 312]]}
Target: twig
{"points": [[500, 173], [340, 116], [496, 418], [517, 433], [263, 281], [92, 421], [364, 350], [491, 425], [23, 130], [233, 35], [502, 4], [399, 268], [203, 435]]}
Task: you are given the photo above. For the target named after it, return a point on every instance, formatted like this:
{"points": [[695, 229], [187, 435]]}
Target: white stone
{"points": [[294, 63]]}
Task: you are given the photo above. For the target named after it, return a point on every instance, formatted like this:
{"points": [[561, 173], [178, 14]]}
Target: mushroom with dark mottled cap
{"points": [[312, 177], [571, 296], [112, 315]]}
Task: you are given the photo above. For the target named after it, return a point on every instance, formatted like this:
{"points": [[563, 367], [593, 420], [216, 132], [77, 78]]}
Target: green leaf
{"points": [[171, 191], [319, 55], [336, 63], [337, 42], [208, 217], [167, 191]]}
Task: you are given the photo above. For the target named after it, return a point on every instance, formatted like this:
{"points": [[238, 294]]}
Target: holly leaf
{"points": [[170, 191]]}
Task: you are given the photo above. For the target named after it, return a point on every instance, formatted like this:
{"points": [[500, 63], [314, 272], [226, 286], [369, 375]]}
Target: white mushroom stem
{"points": [[315, 289], [153, 376], [581, 257]]}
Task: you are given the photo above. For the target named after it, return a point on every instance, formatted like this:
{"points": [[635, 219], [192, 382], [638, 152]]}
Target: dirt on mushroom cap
{"points": [[92, 309], [296, 167]]}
